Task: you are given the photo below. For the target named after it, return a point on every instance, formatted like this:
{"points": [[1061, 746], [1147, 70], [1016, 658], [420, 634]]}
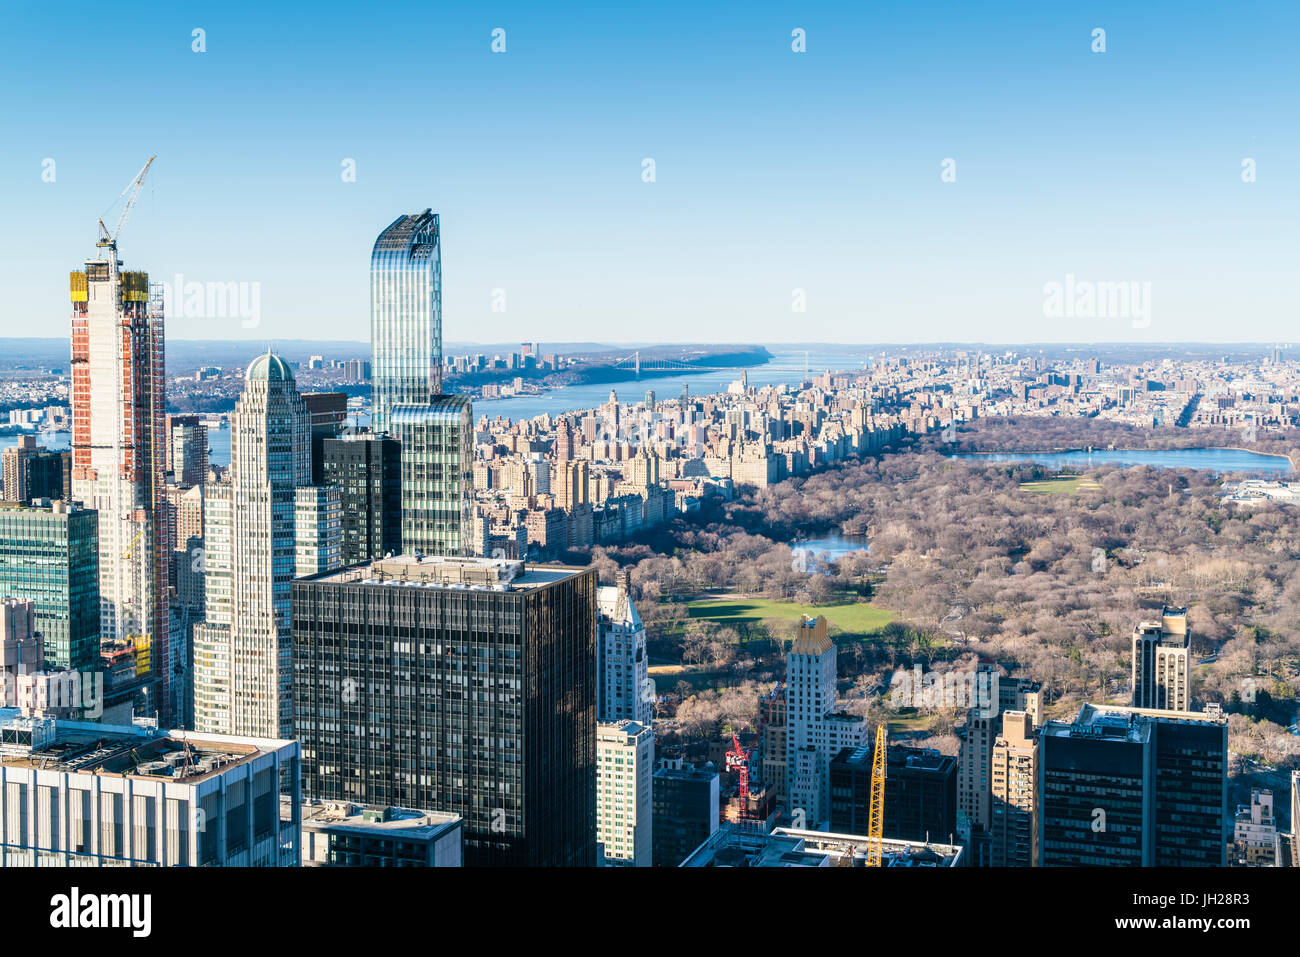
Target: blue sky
{"points": [[774, 170]]}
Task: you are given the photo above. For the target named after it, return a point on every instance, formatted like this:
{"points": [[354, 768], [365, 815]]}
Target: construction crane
{"points": [[133, 188], [738, 760], [876, 817], [130, 548]]}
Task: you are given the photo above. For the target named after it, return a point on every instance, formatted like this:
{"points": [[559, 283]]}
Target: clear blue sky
{"points": [[774, 170]]}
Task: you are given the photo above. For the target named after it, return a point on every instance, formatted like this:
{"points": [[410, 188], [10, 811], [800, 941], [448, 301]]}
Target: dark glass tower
{"points": [[367, 471], [1134, 787], [461, 685]]}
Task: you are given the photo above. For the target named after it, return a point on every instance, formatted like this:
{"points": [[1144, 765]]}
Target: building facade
{"points": [[815, 732], [467, 685], [405, 315], [625, 752], [50, 555], [119, 459], [623, 671], [264, 526], [1134, 787], [366, 469], [686, 812], [79, 794], [1162, 662], [1014, 785]]}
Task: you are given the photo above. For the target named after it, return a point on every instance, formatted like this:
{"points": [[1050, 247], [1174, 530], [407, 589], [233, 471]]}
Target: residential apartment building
{"points": [[624, 812]]}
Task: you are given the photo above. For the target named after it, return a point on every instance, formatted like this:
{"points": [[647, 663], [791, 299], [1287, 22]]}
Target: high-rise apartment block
{"points": [[31, 472], [625, 753], [815, 731], [366, 469], [265, 525], [622, 669], [1162, 662], [405, 315], [1131, 787], [436, 431], [978, 735], [329, 415], [1014, 785], [187, 449], [119, 457], [462, 684], [1256, 840]]}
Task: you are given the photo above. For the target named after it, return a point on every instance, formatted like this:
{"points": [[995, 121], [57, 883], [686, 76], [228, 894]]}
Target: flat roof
{"points": [[84, 747], [444, 572], [370, 818]]}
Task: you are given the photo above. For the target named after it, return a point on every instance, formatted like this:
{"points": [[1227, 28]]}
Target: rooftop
{"points": [[362, 818], [268, 368], [134, 751], [735, 845], [1113, 722], [438, 571]]}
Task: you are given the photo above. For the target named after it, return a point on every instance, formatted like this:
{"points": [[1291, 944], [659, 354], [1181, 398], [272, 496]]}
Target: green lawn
{"points": [[853, 617], [1069, 485]]}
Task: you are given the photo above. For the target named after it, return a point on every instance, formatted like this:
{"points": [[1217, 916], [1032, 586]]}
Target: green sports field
{"points": [[858, 618]]}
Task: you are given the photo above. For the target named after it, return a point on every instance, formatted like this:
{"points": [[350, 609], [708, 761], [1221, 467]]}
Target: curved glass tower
{"points": [[405, 315]]}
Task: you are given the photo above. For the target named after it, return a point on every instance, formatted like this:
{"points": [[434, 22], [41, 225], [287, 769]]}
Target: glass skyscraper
{"points": [[436, 431], [437, 440], [405, 315], [50, 555]]}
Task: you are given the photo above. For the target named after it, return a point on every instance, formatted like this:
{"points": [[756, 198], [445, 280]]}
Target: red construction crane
{"points": [[738, 760]]}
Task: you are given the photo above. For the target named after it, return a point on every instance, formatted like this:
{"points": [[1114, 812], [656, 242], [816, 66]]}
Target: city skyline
{"points": [[646, 593], [1126, 166]]}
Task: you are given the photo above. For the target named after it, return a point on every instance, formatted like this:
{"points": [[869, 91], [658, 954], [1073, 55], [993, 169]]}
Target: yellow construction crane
{"points": [[876, 817], [133, 188], [130, 548]]}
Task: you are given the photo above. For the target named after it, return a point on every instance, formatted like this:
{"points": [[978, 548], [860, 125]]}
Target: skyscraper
{"points": [[188, 449], [437, 440], [685, 804], [1014, 787], [466, 685], [366, 468], [50, 556], [118, 458], [625, 763], [405, 315], [436, 431], [1161, 662], [254, 535], [1133, 787], [815, 731], [622, 670]]}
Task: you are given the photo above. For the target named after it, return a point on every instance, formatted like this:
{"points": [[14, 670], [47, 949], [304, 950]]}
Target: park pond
{"points": [[1212, 460], [816, 554]]}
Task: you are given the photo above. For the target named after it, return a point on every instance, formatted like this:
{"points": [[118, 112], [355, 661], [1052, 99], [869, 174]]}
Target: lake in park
{"points": [[1211, 460]]}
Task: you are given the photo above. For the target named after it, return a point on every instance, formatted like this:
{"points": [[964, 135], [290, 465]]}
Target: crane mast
{"points": [[876, 818]]}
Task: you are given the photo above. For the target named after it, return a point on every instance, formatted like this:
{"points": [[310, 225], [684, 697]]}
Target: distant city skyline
{"points": [[780, 178]]}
